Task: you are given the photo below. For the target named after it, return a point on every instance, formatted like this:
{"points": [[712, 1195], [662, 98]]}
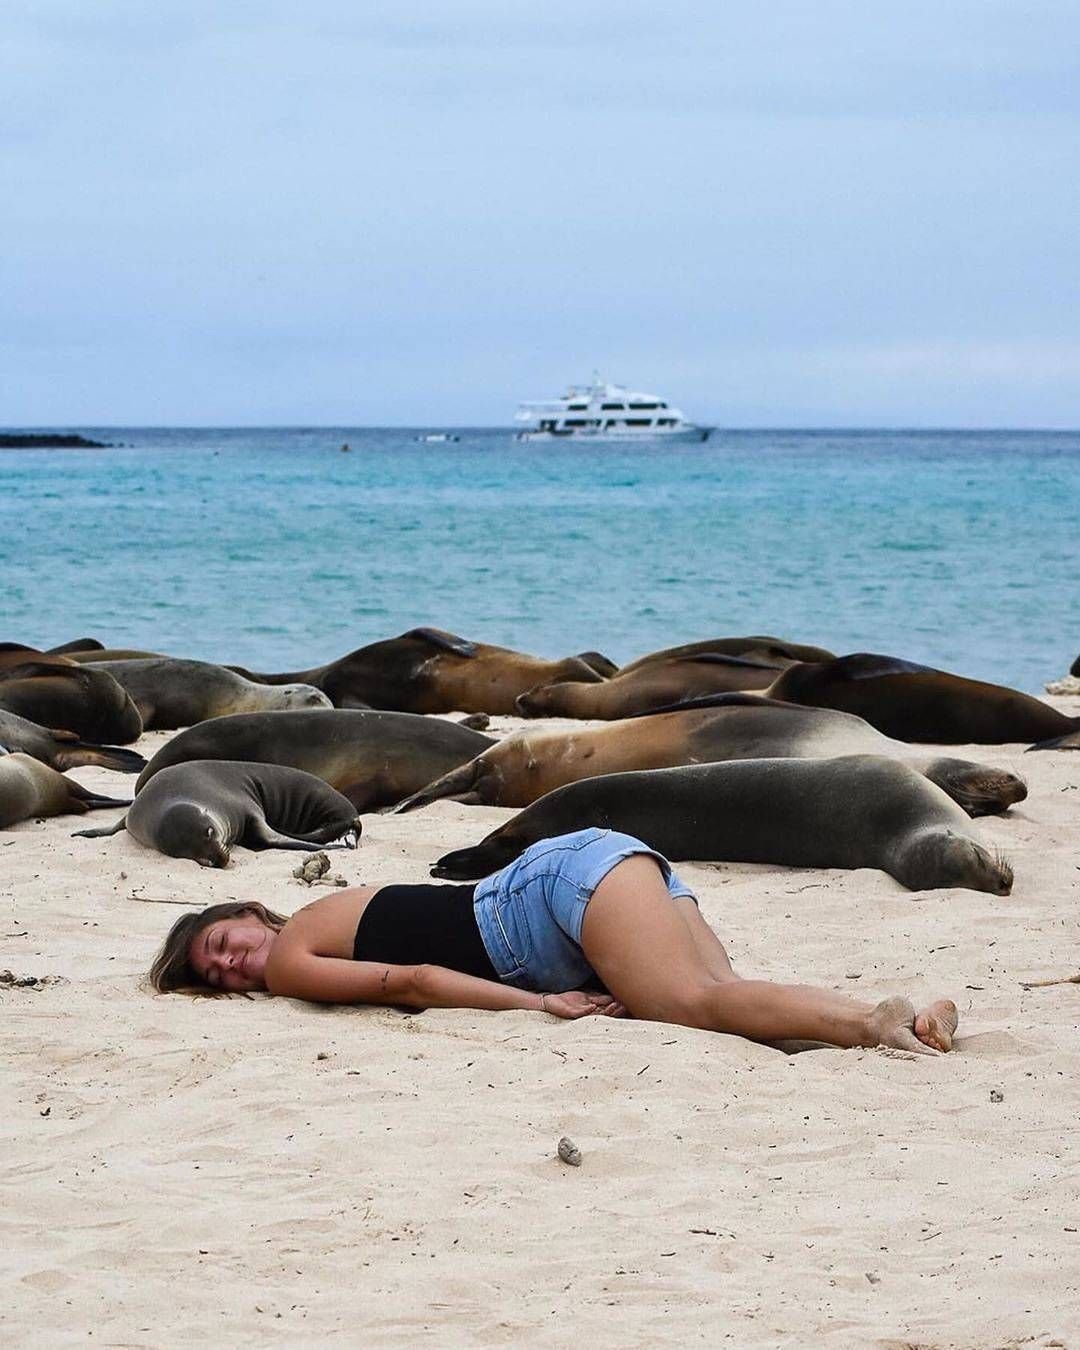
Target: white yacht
{"points": [[606, 412]]}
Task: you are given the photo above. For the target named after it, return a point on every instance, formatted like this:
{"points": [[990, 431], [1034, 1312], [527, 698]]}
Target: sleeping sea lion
{"points": [[527, 765], [171, 693], [201, 809], [55, 692], [29, 788], [374, 758], [654, 684], [916, 703], [83, 656], [85, 644], [854, 811], [770, 650], [62, 750], [429, 671]]}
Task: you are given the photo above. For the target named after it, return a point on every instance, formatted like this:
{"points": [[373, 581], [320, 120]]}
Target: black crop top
{"points": [[423, 925]]}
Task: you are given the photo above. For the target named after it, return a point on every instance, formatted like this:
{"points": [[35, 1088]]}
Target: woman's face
{"points": [[231, 954]]}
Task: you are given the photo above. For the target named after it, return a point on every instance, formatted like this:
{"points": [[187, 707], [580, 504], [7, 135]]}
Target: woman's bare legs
{"points": [[709, 947], [647, 953]]}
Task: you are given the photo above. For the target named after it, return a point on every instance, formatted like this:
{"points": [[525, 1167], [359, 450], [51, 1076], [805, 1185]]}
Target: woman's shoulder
{"points": [[327, 926]]}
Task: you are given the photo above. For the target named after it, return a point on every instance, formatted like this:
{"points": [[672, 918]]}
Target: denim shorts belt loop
{"points": [[530, 914]]}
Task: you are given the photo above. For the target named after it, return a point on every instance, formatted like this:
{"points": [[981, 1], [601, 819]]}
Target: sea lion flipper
{"points": [[448, 642], [1070, 741], [102, 833]]}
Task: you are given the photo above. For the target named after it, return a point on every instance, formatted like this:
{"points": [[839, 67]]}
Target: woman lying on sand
{"points": [[569, 915]]}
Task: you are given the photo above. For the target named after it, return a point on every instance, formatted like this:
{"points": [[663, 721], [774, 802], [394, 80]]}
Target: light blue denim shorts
{"points": [[530, 914]]}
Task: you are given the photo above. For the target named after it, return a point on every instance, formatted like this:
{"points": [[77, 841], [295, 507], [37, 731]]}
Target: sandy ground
{"points": [[255, 1172]]}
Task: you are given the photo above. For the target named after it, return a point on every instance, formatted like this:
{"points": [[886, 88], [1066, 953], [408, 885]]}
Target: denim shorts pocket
{"points": [[511, 920]]}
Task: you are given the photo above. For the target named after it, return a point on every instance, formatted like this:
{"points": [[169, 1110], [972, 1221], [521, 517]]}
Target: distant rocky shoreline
{"points": [[48, 441]]}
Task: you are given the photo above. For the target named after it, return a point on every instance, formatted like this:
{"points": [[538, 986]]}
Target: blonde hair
{"points": [[172, 971]]}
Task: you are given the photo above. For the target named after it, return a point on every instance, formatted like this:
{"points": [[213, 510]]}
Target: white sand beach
{"points": [[256, 1171]]}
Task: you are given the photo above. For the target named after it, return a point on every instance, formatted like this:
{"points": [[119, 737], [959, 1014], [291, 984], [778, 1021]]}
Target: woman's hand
{"points": [[577, 1003]]}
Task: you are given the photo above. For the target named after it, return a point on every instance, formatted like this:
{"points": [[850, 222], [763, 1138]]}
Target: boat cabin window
{"points": [[611, 407], [576, 422], [639, 422], [665, 421], [646, 407], [577, 407]]}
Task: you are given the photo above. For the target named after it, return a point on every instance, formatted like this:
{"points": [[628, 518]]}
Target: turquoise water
{"points": [[272, 549]]}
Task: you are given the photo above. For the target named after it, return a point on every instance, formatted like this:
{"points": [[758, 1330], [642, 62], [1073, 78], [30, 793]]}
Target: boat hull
{"points": [[682, 434]]}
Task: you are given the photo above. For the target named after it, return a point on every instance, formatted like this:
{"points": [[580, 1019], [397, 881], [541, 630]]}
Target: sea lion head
{"points": [[941, 858], [538, 701], [980, 789], [188, 830], [295, 697]]}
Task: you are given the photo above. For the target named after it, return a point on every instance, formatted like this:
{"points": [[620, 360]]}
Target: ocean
{"points": [[272, 549]]}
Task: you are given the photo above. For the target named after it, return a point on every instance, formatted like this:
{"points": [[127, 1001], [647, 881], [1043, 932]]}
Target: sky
{"points": [[800, 213]]}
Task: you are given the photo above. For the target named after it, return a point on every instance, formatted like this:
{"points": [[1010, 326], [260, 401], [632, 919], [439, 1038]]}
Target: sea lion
{"points": [[917, 703], [527, 765], [201, 809], [854, 811], [374, 758], [55, 692], [171, 693], [62, 750], [770, 650], [29, 788], [429, 671], [84, 656], [648, 686], [85, 644], [1074, 669]]}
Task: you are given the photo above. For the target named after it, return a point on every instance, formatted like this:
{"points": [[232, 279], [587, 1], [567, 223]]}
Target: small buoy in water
{"points": [[569, 1152], [346, 448]]}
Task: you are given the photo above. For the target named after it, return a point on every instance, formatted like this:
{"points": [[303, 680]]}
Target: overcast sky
{"points": [[800, 214]]}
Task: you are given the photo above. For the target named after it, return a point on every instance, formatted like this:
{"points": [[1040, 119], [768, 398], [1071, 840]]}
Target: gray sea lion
{"points": [[429, 671], [29, 789], [654, 684], [171, 693], [527, 765], [63, 750], [916, 703], [54, 692], [854, 811], [374, 758], [770, 650], [201, 809]]}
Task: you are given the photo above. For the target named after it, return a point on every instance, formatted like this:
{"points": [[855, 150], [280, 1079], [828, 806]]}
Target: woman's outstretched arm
{"points": [[327, 979]]}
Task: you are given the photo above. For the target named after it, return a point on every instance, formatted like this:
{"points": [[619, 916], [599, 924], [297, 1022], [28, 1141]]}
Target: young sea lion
{"points": [[199, 810], [853, 811], [29, 788]]}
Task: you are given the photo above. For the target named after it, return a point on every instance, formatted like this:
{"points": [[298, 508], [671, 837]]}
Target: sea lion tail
{"points": [[458, 783], [76, 754], [103, 834], [1070, 741]]}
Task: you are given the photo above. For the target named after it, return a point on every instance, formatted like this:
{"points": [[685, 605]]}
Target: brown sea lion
{"points": [[201, 809], [527, 765], [374, 758], [769, 650], [77, 645], [29, 789], [97, 654], [429, 671], [63, 750], [652, 685], [916, 703], [55, 692], [171, 693], [853, 811]]}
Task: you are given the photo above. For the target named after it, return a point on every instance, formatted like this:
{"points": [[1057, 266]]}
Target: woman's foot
{"points": [[894, 1022]]}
